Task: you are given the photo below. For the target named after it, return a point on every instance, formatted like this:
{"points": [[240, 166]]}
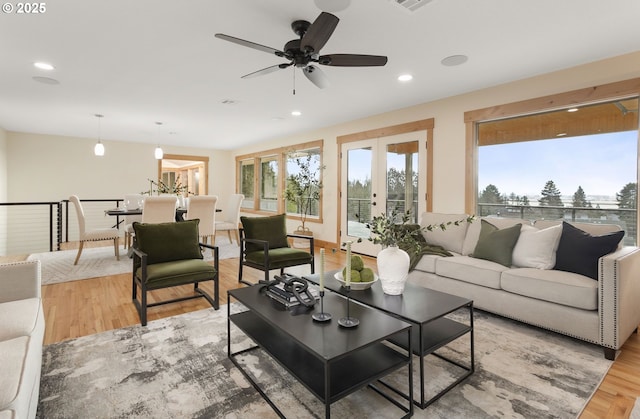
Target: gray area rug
{"points": [[178, 368], [99, 261]]}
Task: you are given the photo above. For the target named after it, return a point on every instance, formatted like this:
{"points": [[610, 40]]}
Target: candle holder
{"points": [[322, 316], [348, 321]]}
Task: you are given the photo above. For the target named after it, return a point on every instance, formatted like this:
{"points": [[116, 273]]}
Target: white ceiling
{"points": [[142, 61]]}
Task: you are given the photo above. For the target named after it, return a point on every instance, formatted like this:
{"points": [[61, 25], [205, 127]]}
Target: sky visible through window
{"points": [[602, 164]]}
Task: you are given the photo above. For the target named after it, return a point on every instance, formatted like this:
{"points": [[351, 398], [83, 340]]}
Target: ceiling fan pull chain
{"points": [[294, 80]]}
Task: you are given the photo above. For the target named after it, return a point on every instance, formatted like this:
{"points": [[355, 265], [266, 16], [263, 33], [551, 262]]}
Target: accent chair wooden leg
{"points": [[79, 253], [116, 247], [229, 234]]}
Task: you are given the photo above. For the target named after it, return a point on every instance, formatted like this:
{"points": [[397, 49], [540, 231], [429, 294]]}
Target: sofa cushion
{"points": [[579, 251], [19, 318], [452, 237], [496, 244], [537, 248], [166, 242], [558, 287], [468, 269], [13, 381], [427, 263]]}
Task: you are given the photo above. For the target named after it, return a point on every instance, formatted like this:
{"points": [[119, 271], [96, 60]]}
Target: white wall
{"points": [[51, 168], [449, 131], [3, 190], [3, 165]]}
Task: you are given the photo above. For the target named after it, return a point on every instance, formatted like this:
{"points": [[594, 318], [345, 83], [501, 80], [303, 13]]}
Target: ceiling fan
{"points": [[305, 51]]}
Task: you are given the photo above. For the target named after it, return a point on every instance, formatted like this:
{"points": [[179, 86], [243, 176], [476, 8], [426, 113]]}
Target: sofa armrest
{"points": [[20, 280], [619, 293]]}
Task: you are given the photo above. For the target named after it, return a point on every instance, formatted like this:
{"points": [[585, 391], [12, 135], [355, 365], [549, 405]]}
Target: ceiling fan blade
{"points": [[316, 76], [250, 44], [319, 32], [266, 70], [352, 60]]}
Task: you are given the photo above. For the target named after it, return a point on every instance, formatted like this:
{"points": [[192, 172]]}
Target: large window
{"points": [[246, 181], [303, 181], [276, 170], [575, 163], [268, 182]]}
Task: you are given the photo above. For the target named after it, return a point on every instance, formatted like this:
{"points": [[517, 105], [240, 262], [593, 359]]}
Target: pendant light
{"points": [[158, 152], [98, 150]]}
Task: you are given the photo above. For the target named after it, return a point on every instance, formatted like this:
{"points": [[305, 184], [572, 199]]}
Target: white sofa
{"points": [[21, 336], [604, 311]]}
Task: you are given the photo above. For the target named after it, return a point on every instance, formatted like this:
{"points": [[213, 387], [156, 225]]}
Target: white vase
{"points": [[393, 269]]}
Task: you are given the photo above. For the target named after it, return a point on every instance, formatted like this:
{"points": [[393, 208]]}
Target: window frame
{"points": [[591, 95], [281, 157]]}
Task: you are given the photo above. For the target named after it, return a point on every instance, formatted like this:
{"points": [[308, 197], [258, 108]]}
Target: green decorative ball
{"points": [[366, 275], [357, 263], [355, 276]]}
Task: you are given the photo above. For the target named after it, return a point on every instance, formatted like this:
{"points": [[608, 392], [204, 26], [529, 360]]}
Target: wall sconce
{"points": [[98, 150]]}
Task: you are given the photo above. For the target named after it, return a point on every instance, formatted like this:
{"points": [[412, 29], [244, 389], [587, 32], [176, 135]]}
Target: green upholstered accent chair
{"points": [[264, 245], [168, 255]]}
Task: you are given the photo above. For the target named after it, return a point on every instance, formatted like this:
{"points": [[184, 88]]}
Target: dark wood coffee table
{"points": [[426, 310], [330, 361]]}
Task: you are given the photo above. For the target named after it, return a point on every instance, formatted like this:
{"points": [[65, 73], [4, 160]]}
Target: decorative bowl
{"points": [[356, 286]]}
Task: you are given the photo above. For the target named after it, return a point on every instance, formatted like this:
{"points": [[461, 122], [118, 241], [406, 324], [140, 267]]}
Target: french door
{"points": [[377, 176]]}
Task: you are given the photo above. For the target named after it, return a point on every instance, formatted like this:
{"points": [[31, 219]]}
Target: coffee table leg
{"points": [[327, 391]]}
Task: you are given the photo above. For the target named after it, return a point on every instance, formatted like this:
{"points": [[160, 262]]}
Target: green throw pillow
{"points": [[496, 245], [272, 229], [166, 242]]}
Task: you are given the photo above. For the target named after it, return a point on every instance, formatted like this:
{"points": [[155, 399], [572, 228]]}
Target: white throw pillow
{"points": [[537, 248], [451, 238]]}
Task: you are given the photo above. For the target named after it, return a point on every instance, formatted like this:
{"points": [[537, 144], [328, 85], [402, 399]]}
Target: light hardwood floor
{"points": [[79, 308]]}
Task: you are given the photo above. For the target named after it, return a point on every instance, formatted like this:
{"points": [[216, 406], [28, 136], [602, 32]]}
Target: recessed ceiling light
{"points": [[43, 66], [572, 110], [45, 80], [454, 60], [405, 77], [296, 113]]}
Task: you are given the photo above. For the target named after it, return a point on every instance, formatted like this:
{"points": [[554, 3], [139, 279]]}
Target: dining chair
{"points": [[98, 234], [131, 202], [264, 245], [159, 209], [231, 217], [203, 207]]}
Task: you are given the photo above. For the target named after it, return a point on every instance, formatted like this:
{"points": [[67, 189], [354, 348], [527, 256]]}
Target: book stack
{"points": [[278, 293]]}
